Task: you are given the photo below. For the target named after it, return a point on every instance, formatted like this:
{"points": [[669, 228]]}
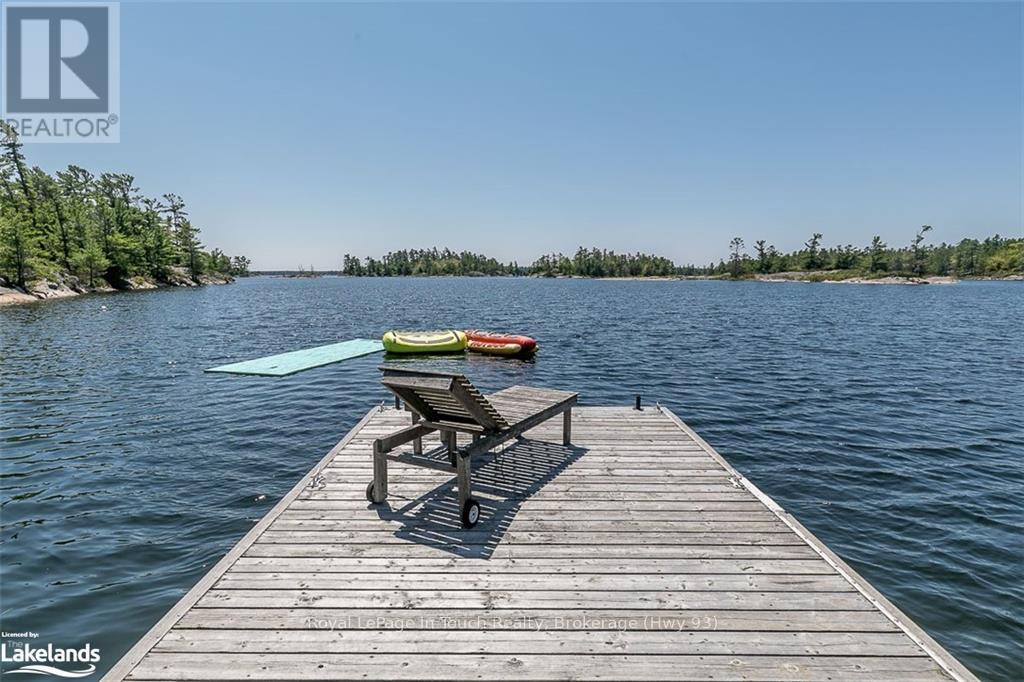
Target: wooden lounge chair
{"points": [[450, 404]]}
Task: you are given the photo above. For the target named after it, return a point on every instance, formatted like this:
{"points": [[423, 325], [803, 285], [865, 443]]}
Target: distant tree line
{"points": [[100, 229], [967, 258], [434, 262], [603, 263], [993, 256], [427, 262]]}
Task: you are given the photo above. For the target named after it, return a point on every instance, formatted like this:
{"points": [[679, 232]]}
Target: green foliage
{"points": [[426, 262], [17, 247], [1008, 258], [240, 266], [876, 255], [97, 228], [90, 263], [219, 261], [603, 263], [765, 255], [435, 262], [919, 254], [995, 256], [736, 257], [811, 254]]}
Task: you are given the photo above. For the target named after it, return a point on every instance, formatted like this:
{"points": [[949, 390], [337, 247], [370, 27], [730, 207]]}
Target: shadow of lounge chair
{"points": [[504, 482]]}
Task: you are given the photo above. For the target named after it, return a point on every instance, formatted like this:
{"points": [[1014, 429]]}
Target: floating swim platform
{"points": [[294, 361]]}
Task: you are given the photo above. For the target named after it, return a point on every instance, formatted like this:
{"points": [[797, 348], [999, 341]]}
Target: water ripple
{"points": [[888, 419]]}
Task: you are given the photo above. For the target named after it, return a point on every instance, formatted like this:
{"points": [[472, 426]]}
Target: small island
{"points": [[916, 263], [75, 232]]}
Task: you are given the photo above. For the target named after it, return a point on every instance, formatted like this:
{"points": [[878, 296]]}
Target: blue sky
{"points": [[299, 132]]}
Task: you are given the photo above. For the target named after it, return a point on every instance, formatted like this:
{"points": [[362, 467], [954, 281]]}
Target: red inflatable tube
{"points": [[527, 344]]}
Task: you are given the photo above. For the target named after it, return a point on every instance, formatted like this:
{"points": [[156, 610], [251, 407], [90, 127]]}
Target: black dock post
{"points": [[637, 407]]}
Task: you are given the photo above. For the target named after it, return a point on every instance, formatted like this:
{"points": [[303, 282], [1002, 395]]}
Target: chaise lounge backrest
{"points": [[443, 398]]}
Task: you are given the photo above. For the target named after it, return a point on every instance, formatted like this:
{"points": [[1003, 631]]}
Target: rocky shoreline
{"points": [[68, 286], [826, 277], [809, 277]]}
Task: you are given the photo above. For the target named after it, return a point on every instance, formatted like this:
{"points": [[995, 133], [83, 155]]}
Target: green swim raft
{"points": [[436, 341]]}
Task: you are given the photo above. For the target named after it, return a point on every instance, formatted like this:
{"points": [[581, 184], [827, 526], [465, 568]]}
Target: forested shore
{"points": [[75, 232], [993, 257]]}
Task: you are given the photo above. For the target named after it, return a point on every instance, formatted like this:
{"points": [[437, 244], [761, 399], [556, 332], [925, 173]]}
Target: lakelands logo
{"points": [[61, 70], [38, 660]]}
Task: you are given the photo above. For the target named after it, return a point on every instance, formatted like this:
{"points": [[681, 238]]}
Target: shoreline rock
{"points": [[636, 278], [823, 277], [1005, 278], [894, 280], [68, 286], [14, 295], [215, 279]]}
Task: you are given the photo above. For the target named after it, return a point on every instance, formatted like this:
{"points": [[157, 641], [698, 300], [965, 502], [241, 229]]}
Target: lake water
{"points": [[888, 419]]}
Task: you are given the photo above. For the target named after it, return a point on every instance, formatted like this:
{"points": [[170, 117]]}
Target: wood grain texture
{"points": [[636, 553]]}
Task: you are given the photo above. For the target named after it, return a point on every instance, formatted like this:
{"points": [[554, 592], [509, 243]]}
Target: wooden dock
{"points": [[637, 553]]}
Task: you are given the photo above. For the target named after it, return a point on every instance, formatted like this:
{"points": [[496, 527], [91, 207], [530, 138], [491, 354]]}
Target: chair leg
{"points": [[567, 427], [469, 509], [464, 475], [380, 474], [452, 444], [417, 444]]}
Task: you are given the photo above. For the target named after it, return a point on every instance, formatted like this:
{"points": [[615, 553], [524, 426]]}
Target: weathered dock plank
{"points": [[523, 666], [575, 642], [636, 553], [597, 620]]}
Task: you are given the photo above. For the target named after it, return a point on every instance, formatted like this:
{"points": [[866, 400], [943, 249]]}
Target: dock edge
{"points": [[936, 651], [134, 656]]}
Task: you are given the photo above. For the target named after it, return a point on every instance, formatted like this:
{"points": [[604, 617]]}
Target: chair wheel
{"points": [[470, 513], [369, 492]]}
